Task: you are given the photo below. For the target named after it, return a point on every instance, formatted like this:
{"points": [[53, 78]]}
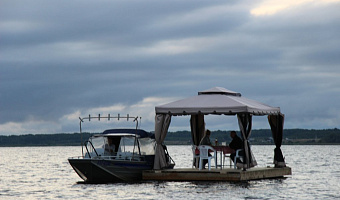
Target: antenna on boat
{"points": [[136, 120], [81, 136], [140, 121]]}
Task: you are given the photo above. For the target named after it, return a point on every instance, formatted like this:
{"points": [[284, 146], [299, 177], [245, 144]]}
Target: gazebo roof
{"points": [[216, 100]]}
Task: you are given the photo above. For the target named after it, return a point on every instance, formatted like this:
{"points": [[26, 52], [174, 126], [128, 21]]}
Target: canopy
{"points": [[218, 100], [141, 133]]}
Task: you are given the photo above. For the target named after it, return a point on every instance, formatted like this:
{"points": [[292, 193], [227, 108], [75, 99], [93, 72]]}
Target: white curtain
{"points": [[162, 122]]}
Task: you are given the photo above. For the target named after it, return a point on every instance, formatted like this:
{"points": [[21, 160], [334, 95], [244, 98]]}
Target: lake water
{"points": [[44, 173]]}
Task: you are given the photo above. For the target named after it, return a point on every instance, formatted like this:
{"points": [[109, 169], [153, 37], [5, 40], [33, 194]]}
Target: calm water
{"points": [[44, 173]]}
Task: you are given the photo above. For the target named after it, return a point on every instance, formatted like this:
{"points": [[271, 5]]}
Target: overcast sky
{"points": [[62, 59]]}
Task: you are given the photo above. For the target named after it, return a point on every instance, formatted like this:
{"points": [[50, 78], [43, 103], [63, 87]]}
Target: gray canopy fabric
{"points": [[197, 128], [161, 129], [216, 101], [245, 123], [213, 101], [276, 125]]}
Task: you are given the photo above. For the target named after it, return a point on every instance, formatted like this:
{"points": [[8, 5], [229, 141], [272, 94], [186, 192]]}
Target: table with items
{"points": [[223, 151]]}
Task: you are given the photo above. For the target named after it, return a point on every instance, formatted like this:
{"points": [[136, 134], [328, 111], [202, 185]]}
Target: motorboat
{"points": [[116, 155]]}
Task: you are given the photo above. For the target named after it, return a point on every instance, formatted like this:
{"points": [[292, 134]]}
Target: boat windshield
{"points": [[147, 146], [122, 147], [96, 144], [127, 144]]}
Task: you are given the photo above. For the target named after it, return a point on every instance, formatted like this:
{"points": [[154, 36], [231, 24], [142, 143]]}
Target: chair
{"points": [[204, 155], [237, 155], [195, 156]]}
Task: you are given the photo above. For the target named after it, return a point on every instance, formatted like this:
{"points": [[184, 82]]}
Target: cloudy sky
{"points": [[63, 59]]}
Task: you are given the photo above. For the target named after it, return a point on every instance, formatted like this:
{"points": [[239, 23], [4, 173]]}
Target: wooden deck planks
{"points": [[228, 174]]}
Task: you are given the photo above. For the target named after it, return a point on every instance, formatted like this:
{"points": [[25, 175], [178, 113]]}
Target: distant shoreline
{"points": [[325, 144], [258, 137]]}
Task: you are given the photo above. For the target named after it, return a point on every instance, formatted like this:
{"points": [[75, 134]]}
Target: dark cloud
{"points": [[60, 59]]}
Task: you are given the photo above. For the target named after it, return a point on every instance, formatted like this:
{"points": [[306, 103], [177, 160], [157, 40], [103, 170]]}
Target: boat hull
{"points": [[109, 170]]}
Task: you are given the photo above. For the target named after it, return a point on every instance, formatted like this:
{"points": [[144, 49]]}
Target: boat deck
{"points": [[226, 174]]}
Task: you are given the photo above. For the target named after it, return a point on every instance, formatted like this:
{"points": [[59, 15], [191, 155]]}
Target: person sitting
{"points": [[109, 148], [206, 139], [236, 143]]}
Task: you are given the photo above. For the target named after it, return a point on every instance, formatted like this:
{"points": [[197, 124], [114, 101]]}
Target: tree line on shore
{"points": [[261, 136]]}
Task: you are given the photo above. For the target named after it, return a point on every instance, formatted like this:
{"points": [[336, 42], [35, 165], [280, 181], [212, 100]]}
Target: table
{"points": [[223, 150]]}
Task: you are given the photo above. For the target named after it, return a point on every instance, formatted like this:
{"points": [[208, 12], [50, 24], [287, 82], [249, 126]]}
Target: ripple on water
{"points": [[44, 173]]}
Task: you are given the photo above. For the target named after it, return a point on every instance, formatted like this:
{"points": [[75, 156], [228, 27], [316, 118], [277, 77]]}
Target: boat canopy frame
{"points": [[108, 117]]}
